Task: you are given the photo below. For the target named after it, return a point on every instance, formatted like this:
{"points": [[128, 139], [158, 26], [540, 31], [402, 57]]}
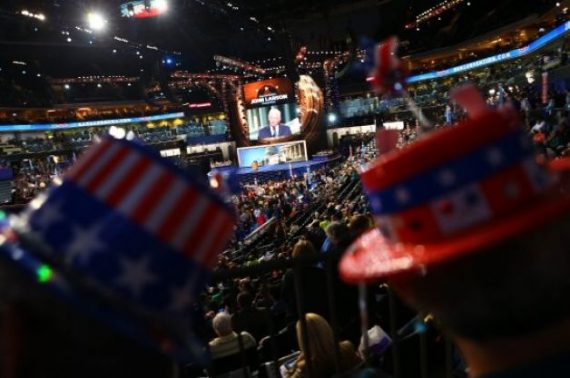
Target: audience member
{"points": [[226, 343], [321, 344]]}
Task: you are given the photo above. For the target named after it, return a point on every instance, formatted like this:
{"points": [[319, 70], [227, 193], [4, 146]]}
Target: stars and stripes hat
{"points": [[455, 192], [130, 239]]}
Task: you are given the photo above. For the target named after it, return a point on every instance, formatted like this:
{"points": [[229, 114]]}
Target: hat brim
{"points": [[371, 257], [193, 350]]}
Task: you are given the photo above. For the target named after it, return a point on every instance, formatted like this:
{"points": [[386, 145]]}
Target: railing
{"points": [[258, 232], [409, 355]]}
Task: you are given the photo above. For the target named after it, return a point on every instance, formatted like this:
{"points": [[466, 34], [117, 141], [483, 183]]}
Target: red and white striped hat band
{"points": [[181, 213]]}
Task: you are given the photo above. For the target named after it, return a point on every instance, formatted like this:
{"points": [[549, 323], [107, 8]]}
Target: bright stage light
{"points": [[117, 132], [161, 5], [332, 118], [96, 21]]}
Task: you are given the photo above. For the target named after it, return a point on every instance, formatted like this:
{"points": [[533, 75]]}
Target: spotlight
{"points": [[161, 5], [117, 132], [66, 86], [96, 21], [332, 118]]}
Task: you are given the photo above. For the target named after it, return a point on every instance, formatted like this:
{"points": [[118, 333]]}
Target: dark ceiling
{"points": [[197, 29]]}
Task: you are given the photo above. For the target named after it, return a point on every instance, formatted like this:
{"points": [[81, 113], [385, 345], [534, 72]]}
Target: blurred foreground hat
{"points": [[127, 238], [455, 192]]}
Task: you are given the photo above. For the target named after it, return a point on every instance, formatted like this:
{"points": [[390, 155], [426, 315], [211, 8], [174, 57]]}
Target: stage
{"points": [[277, 171]]}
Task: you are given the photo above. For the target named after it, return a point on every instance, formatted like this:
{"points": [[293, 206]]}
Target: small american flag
{"points": [[389, 74]]}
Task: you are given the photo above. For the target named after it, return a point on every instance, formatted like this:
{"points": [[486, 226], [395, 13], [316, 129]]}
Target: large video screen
{"points": [[271, 109], [272, 154], [144, 9], [268, 92]]}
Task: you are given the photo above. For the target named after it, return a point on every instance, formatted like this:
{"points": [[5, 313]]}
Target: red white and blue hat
{"points": [[129, 239], [455, 192]]}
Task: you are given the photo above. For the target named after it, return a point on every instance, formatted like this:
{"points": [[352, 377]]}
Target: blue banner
{"points": [[516, 53], [75, 125]]}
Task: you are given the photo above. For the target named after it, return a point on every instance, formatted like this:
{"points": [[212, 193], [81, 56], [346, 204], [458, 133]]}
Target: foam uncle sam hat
{"points": [[127, 238], [453, 193]]}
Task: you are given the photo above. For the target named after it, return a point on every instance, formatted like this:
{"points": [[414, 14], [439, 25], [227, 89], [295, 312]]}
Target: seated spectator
{"points": [[358, 225], [321, 343], [248, 318], [263, 298], [227, 343], [338, 238], [315, 234]]}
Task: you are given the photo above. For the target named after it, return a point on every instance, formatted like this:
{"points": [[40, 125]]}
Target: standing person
{"points": [[250, 319], [313, 280], [448, 114], [491, 265]]}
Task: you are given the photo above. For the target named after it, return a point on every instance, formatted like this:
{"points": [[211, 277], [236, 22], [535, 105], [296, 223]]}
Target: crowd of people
{"points": [[315, 217], [58, 141], [308, 219]]}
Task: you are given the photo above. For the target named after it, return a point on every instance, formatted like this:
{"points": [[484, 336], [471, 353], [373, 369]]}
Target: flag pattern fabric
{"points": [[472, 189], [133, 229], [455, 192], [389, 76]]}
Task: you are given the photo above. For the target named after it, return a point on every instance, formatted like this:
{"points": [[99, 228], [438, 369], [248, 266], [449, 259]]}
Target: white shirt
{"points": [[537, 127]]}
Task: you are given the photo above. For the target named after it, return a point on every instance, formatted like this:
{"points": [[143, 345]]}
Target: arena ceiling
{"points": [[198, 29]]}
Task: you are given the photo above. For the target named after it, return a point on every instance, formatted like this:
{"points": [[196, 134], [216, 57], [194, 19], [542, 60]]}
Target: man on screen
{"points": [[276, 129]]}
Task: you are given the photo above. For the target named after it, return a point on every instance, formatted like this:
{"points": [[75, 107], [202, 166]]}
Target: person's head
{"points": [[244, 285], [222, 324], [274, 117], [336, 216], [244, 300], [337, 232], [507, 291], [358, 225], [304, 250], [320, 338]]}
